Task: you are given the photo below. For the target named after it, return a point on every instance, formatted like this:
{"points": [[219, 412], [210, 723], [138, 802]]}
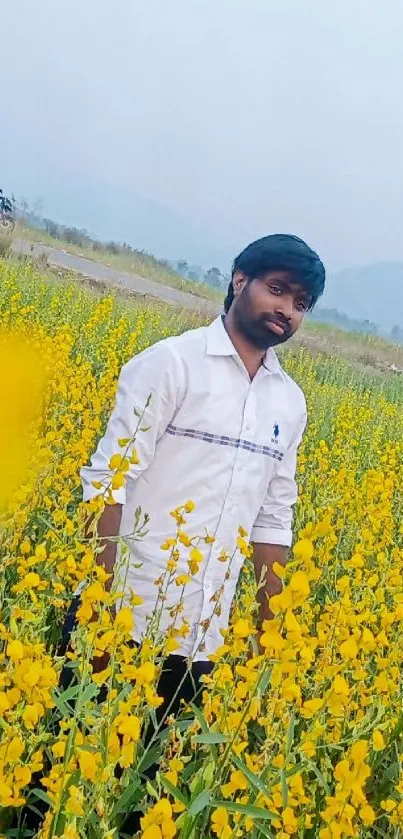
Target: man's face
{"points": [[268, 310]]}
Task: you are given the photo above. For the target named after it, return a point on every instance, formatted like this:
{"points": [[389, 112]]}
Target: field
{"points": [[302, 740]]}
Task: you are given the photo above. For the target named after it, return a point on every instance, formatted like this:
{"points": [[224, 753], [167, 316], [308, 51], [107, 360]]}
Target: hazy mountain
{"points": [[114, 212], [372, 292]]}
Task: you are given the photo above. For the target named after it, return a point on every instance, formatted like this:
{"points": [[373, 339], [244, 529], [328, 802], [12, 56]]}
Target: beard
{"points": [[257, 330]]}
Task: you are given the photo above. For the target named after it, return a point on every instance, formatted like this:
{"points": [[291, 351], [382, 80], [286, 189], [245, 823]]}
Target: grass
{"points": [[365, 349]]}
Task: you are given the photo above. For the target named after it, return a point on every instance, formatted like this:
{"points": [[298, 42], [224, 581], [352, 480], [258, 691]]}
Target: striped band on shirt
{"points": [[223, 440]]}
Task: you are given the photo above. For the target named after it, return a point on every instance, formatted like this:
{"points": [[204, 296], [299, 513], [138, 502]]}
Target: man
{"points": [[224, 424]]}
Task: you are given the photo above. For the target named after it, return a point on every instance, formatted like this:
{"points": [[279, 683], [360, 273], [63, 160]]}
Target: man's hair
{"points": [[280, 252]]}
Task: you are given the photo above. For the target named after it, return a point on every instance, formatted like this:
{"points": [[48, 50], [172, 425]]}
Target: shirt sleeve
{"points": [[149, 387], [274, 521]]}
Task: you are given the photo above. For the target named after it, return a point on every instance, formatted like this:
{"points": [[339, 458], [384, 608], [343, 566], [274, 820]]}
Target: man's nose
{"points": [[284, 306]]}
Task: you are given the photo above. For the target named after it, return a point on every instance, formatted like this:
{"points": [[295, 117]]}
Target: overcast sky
{"points": [[209, 122]]}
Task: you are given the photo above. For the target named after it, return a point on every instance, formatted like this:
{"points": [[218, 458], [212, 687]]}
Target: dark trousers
{"points": [[178, 684]]}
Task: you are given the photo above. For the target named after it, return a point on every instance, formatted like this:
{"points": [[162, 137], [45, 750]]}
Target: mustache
{"points": [[280, 321]]}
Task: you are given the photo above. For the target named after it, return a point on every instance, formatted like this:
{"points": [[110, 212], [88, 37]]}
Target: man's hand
{"points": [[100, 663], [264, 557], [108, 526], [107, 531]]}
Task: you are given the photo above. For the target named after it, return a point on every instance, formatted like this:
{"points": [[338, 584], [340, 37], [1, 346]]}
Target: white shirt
{"points": [[217, 438]]}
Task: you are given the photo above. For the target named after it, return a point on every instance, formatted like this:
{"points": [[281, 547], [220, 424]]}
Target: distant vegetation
{"points": [[213, 276], [121, 255], [211, 283], [342, 321]]}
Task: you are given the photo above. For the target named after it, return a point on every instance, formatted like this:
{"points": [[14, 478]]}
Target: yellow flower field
{"points": [[303, 740]]}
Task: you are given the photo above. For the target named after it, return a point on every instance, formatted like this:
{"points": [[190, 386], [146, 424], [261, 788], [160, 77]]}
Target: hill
{"points": [[368, 292]]}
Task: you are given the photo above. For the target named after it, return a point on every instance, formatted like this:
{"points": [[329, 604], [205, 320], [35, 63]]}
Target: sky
{"points": [[191, 127]]}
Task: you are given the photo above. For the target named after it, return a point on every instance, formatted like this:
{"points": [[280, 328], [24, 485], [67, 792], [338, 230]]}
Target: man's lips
{"points": [[277, 327]]}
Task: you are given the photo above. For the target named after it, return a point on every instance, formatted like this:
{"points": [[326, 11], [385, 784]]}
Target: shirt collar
{"points": [[219, 343]]}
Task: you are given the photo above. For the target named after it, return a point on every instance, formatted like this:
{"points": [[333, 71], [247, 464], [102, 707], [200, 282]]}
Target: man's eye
{"points": [[302, 305], [275, 289]]}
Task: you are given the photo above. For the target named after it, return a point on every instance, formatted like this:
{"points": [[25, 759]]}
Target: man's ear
{"points": [[239, 282]]}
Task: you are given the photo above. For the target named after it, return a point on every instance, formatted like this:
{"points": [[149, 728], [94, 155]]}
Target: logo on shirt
{"points": [[276, 434]]}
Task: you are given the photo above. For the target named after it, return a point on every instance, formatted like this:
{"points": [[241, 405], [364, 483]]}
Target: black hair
{"points": [[280, 252]]}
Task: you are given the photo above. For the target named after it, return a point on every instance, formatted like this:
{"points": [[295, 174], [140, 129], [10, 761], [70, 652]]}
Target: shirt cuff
{"points": [[271, 536]]}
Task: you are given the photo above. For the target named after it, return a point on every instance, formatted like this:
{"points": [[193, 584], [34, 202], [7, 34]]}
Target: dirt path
{"points": [[120, 279]]}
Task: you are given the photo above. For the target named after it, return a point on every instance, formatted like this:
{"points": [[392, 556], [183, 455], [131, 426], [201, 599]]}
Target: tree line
{"points": [[342, 321], [213, 276]]}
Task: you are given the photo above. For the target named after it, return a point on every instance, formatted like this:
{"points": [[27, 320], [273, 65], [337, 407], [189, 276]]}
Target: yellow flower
{"points": [[124, 620], [32, 713], [74, 804], [378, 742], [289, 821], [152, 832], [195, 558], [303, 550], [118, 462], [15, 650], [158, 822], [15, 748], [242, 628], [22, 775], [130, 727], [299, 586], [135, 599], [367, 815], [389, 805], [311, 707], [349, 649], [145, 674], [89, 763], [118, 480], [182, 579], [236, 782], [359, 751], [271, 639], [220, 823]]}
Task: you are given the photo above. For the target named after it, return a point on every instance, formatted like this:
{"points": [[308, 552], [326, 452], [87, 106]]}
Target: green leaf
{"points": [[69, 693], [321, 778], [254, 780], [150, 758], [62, 700], [88, 693], [284, 787], [174, 791], [200, 718], [290, 733], [200, 803], [127, 798], [246, 810], [396, 731], [264, 682], [209, 772], [264, 831], [39, 793], [211, 738]]}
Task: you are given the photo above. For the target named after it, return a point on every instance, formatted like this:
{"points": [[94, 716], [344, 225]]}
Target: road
{"points": [[118, 279]]}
